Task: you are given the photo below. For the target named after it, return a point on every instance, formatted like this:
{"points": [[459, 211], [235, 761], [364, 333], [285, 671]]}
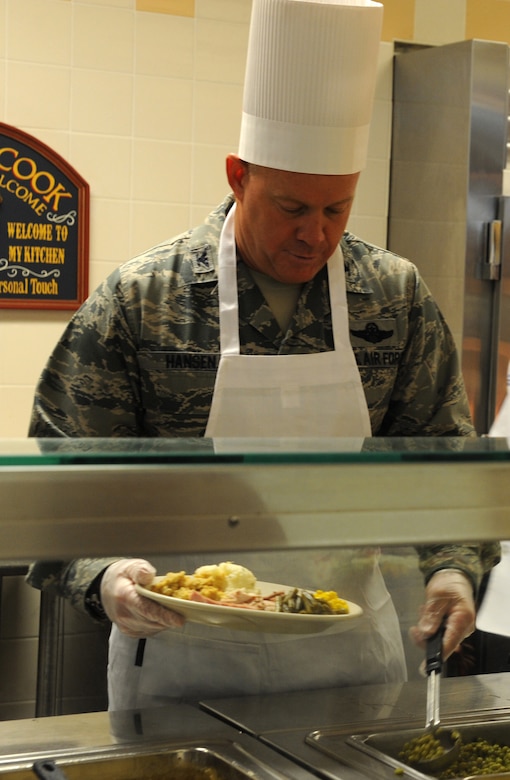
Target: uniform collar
{"points": [[203, 242]]}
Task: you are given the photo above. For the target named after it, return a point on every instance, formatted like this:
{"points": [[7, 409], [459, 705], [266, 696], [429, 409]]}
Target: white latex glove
{"points": [[449, 593], [133, 614]]}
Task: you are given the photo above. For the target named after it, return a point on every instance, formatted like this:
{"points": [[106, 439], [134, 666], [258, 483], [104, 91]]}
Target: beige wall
{"points": [[488, 19], [445, 21], [143, 99]]}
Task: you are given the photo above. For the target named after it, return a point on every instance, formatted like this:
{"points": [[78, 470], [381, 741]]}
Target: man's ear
{"points": [[237, 171]]}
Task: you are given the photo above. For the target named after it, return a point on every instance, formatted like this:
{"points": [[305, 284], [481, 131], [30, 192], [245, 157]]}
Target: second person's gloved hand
{"points": [[133, 614], [449, 593]]}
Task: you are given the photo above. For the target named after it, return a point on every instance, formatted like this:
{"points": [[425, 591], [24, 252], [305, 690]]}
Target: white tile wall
{"points": [[145, 106], [38, 32], [103, 39], [165, 47]]}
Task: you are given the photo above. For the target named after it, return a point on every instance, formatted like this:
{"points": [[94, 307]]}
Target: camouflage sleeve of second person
{"points": [[474, 560], [76, 581]]}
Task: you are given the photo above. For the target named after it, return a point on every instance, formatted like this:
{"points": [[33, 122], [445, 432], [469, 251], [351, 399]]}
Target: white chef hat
{"points": [[309, 85]]}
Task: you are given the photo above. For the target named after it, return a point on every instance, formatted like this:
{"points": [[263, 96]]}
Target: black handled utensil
{"points": [[450, 743], [48, 770]]}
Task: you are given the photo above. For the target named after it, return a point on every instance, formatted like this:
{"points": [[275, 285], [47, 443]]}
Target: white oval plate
{"points": [[243, 619]]}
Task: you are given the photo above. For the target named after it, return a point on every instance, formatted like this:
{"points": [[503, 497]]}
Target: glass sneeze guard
{"points": [[66, 498]]}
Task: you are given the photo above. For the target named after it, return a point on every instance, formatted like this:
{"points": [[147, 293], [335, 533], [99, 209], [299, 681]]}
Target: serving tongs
{"points": [[450, 740], [433, 669]]}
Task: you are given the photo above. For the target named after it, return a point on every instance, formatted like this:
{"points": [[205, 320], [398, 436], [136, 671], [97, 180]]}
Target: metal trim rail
{"points": [[110, 509]]}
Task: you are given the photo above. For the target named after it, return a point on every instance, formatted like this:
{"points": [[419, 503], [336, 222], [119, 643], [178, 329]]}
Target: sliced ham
{"points": [[240, 599]]}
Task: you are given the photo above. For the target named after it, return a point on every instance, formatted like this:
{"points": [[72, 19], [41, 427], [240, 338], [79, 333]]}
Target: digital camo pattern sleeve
{"points": [[63, 406], [120, 369], [404, 349], [411, 375], [94, 385], [474, 560], [89, 384], [71, 581]]}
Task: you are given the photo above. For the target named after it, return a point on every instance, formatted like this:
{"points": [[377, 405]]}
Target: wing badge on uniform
{"points": [[372, 333]]}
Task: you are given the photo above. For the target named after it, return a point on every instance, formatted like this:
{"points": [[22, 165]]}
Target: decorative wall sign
{"points": [[44, 226]]}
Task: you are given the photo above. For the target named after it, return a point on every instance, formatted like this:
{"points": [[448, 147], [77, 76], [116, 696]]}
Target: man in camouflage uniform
{"points": [[140, 357]]}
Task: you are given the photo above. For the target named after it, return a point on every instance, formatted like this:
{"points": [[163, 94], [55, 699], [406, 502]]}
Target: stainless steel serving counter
{"points": [[63, 498], [313, 727], [75, 497], [136, 744], [272, 737]]}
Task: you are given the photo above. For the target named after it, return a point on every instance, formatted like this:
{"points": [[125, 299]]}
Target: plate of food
{"points": [[229, 595]]}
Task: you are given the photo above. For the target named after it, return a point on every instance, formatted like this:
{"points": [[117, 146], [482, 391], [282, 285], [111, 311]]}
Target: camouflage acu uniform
{"points": [[140, 358]]}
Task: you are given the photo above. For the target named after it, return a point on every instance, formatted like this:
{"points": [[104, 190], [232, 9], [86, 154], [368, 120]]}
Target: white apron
{"points": [[270, 396], [284, 395]]}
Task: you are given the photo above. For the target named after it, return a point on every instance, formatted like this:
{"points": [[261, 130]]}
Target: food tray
{"points": [[222, 761], [384, 747]]}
